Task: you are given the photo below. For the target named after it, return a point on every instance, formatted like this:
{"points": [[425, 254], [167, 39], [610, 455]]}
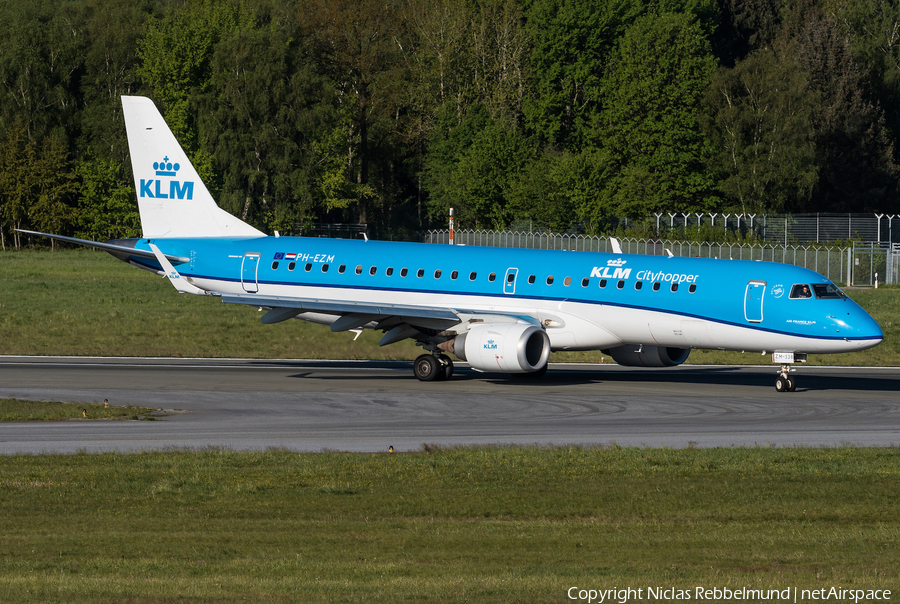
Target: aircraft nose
{"points": [[867, 329]]}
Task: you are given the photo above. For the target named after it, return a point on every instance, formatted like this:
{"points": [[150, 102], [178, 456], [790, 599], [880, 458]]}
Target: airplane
{"points": [[499, 309]]}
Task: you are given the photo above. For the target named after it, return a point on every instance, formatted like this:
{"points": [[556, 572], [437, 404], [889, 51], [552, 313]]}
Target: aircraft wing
{"points": [[398, 321]]}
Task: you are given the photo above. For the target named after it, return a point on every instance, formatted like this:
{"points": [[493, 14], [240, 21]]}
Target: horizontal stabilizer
{"points": [[116, 250]]}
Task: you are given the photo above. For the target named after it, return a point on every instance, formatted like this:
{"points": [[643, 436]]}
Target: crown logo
{"points": [[617, 262], [165, 167]]}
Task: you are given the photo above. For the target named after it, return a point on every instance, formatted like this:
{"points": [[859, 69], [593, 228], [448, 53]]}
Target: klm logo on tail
{"points": [[154, 188]]}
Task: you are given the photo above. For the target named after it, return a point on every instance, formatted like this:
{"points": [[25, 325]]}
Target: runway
{"points": [[368, 406]]}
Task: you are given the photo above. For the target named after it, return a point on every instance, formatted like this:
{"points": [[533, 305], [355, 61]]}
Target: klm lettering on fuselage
{"points": [[156, 189], [603, 272]]}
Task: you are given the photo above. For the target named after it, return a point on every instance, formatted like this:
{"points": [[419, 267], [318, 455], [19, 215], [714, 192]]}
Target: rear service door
{"points": [[249, 269], [753, 301]]}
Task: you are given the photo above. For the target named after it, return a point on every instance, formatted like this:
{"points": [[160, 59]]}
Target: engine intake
{"points": [[507, 347], [649, 356]]}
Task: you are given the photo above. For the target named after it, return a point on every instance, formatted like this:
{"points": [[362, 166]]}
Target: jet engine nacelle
{"points": [[649, 356], [507, 347]]}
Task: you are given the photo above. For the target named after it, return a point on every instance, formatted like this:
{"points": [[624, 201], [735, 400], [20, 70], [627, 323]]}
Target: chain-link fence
{"points": [[775, 229], [834, 262], [875, 263]]}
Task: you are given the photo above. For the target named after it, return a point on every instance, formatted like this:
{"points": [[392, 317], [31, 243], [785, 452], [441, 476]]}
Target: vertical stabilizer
{"points": [[172, 199]]}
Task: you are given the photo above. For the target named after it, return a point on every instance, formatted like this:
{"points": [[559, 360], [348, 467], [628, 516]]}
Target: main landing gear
{"points": [[784, 382], [433, 367]]}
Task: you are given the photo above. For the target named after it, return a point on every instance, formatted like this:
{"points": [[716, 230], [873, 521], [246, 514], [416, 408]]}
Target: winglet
{"points": [[176, 279], [617, 249]]}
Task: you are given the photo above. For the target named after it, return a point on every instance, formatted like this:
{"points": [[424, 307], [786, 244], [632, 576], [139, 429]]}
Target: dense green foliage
{"points": [[389, 112], [458, 525]]}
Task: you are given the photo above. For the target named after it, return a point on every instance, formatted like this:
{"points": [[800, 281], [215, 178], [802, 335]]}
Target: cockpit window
{"points": [[827, 290], [801, 290]]}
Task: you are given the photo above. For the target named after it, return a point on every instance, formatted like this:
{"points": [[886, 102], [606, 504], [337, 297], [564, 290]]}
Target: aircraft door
{"points": [[509, 282], [249, 268], [753, 301]]}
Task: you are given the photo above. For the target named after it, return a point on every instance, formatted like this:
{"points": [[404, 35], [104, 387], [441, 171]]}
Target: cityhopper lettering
{"points": [[666, 277], [154, 188]]}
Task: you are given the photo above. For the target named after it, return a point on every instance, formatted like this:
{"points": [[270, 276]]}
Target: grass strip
{"points": [[511, 524], [14, 410], [87, 303]]}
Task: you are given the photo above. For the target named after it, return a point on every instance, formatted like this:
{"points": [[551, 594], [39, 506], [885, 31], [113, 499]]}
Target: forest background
{"points": [[564, 113]]}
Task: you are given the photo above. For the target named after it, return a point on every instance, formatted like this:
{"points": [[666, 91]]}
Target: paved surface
{"points": [[368, 406]]}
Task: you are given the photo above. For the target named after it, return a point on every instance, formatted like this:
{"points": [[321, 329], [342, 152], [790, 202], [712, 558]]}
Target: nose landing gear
{"points": [[784, 382]]}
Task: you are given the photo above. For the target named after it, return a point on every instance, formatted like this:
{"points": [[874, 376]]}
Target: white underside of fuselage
{"points": [[572, 325]]}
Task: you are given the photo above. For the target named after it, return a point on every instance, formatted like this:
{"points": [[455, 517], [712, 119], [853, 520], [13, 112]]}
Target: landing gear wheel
{"points": [[446, 369], [780, 384], [792, 384], [427, 368]]}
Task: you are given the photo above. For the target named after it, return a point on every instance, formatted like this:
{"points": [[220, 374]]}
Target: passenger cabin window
{"points": [[389, 271], [530, 279], [308, 266], [403, 271], [454, 274], [674, 287], [342, 268], [373, 270], [437, 274], [638, 285], [801, 290], [567, 281], [550, 280], [275, 265], [827, 290], [602, 283], [510, 277], [420, 273], [620, 284], [692, 288], [492, 277], [585, 281], [324, 268], [472, 275], [359, 269], [291, 266], [656, 286]]}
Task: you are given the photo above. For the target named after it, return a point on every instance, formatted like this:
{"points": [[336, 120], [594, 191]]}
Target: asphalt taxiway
{"points": [[368, 406]]}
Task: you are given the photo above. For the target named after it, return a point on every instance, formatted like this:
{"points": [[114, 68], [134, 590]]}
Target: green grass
{"points": [[87, 303], [19, 410], [481, 525]]}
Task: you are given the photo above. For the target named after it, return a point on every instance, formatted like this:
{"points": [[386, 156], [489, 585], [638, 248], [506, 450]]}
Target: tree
{"points": [[176, 55], [473, 167], [262, 119], [760, 121], [358, 46], [107, 207], [650, 119], [571, 45], [857, 171]]}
